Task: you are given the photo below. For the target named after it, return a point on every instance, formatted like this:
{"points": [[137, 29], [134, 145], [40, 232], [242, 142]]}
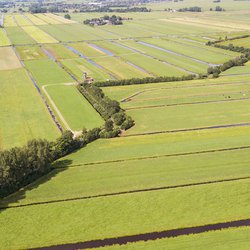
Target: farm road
{"points": [[148, 236]]}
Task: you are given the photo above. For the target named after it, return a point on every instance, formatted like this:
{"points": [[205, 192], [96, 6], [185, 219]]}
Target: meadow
{"points": [[38, 35], [103, 217], [169, 170], [75, 109], [23, 110]]}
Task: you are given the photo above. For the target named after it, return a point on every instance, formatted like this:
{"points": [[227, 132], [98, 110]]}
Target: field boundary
{"points": [[149, 236]]}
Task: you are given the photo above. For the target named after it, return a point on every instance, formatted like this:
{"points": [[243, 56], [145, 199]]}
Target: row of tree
{"points": [[109, 109], [145, 80], [190, 9]]}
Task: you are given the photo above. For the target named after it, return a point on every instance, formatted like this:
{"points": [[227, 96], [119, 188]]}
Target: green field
{"points": [[70, 32], [178, 117], [23, 111], [174, 59], [119, 68], [74, 108], [184, 163], [30, 52], [47, 72], [18, 36], [103, 217], [59, 51], [78, 66], [4, 41]]}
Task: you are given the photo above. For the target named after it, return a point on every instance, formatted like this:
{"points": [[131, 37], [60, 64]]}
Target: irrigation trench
{"points": [[148, 236]]}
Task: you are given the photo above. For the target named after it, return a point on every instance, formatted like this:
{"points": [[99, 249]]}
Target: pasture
{"points": [[184, 163], [4, 41], [47, 72], [38, 35], [18, 36], [78, 66], [22, 111], [75, 109], [103, 217], [30, 52]]}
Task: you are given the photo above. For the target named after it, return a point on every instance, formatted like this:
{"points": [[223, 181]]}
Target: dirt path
{"points": [[149, 236]]}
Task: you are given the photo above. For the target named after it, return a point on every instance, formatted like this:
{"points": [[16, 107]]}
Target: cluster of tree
{"points": [[119, 10], [239, 61], [20, 166], [190, 9], [67, 16], [145, 80], [217, 8], [113, 20], [41, 8], [107, 108]]}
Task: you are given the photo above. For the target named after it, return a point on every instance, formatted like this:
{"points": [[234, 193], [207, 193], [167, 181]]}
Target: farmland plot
{"points": [[8, 59], [38, 35], [47, 72], [79, 66], [4, 41], [75, 109], [30, 52], [229, 201], [18, 36], [22, 110]]}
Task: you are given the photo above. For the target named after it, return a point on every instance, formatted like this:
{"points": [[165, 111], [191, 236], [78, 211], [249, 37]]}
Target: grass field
{"points": [[4, 41], [178, 117], [86, 180], [35, 20], [21, 20], [9, 21], [30, 52], [70, 32], [139, 182], [59, 51], [175, 59], [47, 19], [22, 111], [74, 107], [8, 59], [135, 147], [120, 69], [103, 217], [78, 66], [47, 72], [18, 36], [38, 35]]}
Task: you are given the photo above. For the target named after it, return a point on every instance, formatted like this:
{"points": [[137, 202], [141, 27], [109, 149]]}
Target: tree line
{"points": [[145, 80]]}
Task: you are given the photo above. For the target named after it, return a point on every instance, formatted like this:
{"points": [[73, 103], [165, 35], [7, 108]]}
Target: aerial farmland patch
{"points": [[125, 125]]}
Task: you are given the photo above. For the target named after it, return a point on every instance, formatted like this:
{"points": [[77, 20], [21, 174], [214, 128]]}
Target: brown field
{"points": [[8, 59]]}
